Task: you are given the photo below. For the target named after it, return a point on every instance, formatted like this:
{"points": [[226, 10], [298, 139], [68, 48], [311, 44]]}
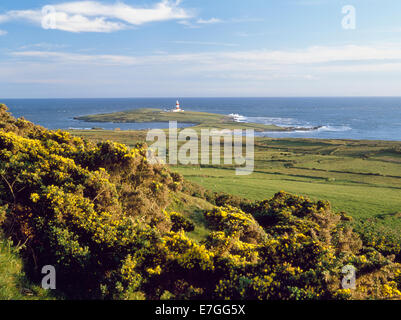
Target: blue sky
{"points": [[198, 48]]}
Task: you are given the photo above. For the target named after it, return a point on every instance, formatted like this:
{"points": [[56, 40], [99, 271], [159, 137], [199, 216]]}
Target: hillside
{"points": [[345, 172], [108, 221]]}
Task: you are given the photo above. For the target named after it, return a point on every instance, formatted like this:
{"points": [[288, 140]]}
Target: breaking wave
{"points": [[290, 122], [335, 128], [283, 122]]}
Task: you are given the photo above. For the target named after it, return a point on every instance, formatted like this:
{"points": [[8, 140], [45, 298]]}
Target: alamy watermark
{"points": [[349, 20], [187, 147], [49, 17], [49, 280], [349, 279]]}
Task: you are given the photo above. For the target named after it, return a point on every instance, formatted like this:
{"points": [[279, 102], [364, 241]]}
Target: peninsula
{"points": [[198, 119]]}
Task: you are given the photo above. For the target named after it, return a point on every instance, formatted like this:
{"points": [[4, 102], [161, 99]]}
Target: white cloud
{"points": [[317, 57], [4, 18], [200, 22], [320, 54], [188, 24], [76, 58], [209, 21], [205, 43], [196, 24], [162, 11], [3, 32], [30, 15], [248, 34], [44, 46], [93, 16]]}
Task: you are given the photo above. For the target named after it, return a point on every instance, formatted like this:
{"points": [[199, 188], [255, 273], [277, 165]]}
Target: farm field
{"points": [[361, 178]]}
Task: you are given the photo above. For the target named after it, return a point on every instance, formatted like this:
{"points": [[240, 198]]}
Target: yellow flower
{"points": [[35, 197]]}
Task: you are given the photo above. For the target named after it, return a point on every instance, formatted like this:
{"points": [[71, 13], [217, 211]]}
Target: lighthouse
{"points": [[177, 107]]}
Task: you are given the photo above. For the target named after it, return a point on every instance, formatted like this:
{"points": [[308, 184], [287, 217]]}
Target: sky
{"points": [[199, 48]]}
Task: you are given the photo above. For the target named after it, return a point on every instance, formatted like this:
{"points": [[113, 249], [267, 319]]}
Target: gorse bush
{"points": [[97, 212], [181, 223], [81, 207]]}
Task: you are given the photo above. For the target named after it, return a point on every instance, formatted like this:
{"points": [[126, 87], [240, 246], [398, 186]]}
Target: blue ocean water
{"points": [[339, 118]]}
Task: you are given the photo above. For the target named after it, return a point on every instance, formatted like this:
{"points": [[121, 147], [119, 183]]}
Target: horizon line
{"points": [[195, 97]]}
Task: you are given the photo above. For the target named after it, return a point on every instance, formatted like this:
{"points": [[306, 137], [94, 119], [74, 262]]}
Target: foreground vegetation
{"points": [[107, 220]]}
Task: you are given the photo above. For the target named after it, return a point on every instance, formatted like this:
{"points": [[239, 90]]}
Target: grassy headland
{"points": [[199, 119]]}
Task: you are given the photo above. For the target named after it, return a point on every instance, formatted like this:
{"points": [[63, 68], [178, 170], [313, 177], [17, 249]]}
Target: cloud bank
{"points": [[350, 70], [335, 57]]}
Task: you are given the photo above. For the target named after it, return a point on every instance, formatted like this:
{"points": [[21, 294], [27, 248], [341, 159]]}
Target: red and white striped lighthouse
{"points": [[177, 107]]}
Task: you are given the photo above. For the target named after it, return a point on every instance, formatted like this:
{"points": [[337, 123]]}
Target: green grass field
{"points": [[362, 178]]}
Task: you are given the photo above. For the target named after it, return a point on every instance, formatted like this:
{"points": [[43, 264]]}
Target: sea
{"points": [[337, 118]]}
